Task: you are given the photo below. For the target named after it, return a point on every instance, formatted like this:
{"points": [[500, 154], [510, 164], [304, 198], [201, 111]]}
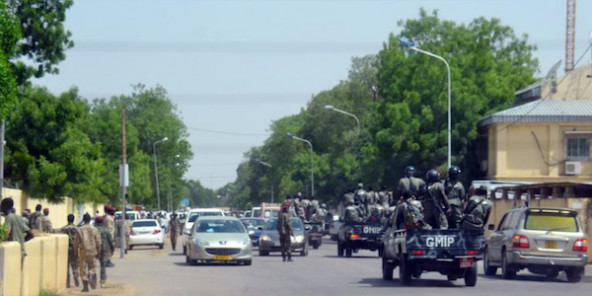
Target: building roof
{"points": [[544, 110]]}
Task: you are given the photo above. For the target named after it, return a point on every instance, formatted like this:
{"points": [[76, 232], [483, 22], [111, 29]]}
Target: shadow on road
{"points": [[176, 254], [434, 283], [221, 264], [352, 257], [537, 278]]}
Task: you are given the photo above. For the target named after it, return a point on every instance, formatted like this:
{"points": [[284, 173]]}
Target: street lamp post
{"points": [[261, 162], [411, 45], [156, 169], [291, 135], [330, 107]]}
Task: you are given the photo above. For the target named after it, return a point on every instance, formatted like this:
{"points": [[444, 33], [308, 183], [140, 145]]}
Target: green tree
{"points": [[9, 35]]}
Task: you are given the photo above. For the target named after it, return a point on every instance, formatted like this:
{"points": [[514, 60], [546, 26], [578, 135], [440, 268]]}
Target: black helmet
{"points": [[409, 171], [432, 176], [453, 172]]}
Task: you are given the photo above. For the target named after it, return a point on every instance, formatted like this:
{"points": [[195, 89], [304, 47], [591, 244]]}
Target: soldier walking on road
{"points": [[35, 220], [173, 229], [45, 222], [88, 246], [109, 224], [284, 227], [71, 230], [436, 204], [107, 247], [455, 191]]}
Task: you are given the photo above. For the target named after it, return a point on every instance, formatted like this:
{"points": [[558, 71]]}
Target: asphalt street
{"points": [[164, 272]]}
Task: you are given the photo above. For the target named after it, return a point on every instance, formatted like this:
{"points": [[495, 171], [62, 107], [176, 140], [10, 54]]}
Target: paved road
{"points": [[163, 272]]}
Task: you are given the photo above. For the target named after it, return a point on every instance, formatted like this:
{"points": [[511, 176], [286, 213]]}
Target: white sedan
{"points": [[146, 232]]}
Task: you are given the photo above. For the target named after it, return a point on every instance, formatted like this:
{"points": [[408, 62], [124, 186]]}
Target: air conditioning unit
{"points": [[573, 167]]}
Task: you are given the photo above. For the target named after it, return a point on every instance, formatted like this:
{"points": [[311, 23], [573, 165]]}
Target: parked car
{"points": [[146, 232], [190, 219], [133, 215], [219, 239], [254, 228], [543, 240], [269, 241]]}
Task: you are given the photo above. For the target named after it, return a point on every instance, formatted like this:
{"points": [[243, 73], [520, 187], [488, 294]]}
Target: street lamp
{"points": [[291, 135], [261, 162], [330, 107], [156, 169], [411, 45]]}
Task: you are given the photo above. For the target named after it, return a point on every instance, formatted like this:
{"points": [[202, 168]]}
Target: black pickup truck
{"points": [[452, 252], [353, 236]]}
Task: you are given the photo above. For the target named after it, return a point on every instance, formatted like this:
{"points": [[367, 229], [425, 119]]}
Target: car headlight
{"points": [[265, 238], [299, 238], [246, 241], [251, 232], [201, 243]]}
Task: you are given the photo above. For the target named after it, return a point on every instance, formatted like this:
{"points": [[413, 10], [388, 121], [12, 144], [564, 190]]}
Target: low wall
{"points": [[45, 266]]}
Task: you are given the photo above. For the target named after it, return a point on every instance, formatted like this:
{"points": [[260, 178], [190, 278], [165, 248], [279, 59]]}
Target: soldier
{"points": [[18, 231], [477, 210], [320, 213], [26, 215], [384, 197], [35, 220], [88, 245], [107, 247], [306, 204], [349, 197], [71, 230], [109, 224], [284, 227], [409, 214], [435, 202], [173, 229], [360, 195], [455, 191], [409, 184], [351, 212], [314, 206], [371, 201], [45, 222]]}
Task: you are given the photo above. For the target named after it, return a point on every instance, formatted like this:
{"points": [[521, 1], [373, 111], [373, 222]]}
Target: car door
{"points": [[496, 239]]}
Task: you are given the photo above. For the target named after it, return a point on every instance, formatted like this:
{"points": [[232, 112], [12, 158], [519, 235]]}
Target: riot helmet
{"points": [[409, 171], [432, 176], [453, 172]]}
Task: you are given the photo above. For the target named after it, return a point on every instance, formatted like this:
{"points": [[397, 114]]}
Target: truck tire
{"points": [[404, 270], [263, 253], [184, 250], [507, 271], [339, 249], [487, 268], [573, 275], [348, 251], [471, 276], [387, 270]]}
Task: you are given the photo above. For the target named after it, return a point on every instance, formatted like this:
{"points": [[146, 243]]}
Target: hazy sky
{"points": [[236, 66]]}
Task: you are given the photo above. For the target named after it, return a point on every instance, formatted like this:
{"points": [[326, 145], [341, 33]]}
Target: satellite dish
{"points": [[553, 71]]}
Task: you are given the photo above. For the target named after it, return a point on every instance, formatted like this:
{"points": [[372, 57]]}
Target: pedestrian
{"points": [[109, 224], [436, 206], [284, 227], [455, 191], [35, 220], [173, 229], [71, 230], [45, 222], [18, 231], [107, 247], [88, 246]]}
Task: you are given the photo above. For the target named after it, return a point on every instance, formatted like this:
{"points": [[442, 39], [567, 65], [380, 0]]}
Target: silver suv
{"points": [[543, 240]]}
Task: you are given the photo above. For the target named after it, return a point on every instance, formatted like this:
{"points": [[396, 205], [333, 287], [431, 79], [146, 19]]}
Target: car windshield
{"points": [[219, 226], [144, 224], [272, 224], [193, 216], [551, 222], [257, 213], [253, 223], [270, 213]]}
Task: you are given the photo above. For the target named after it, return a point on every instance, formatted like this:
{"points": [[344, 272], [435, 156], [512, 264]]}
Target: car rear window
{"points": [[551, 222], [296, 224], [144, 224]]}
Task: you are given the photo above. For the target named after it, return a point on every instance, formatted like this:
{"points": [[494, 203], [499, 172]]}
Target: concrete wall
{"points": [[45, 266], [514, 154]]}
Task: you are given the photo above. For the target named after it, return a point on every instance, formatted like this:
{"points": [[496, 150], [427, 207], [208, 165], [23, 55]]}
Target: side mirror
{"points": [[260, 228], [307, 228], [490, 227]]}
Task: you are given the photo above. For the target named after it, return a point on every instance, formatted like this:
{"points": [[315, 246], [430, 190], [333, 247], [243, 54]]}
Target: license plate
{"points": [[466, 262], [222, 257], [144, 232], [550, 244]]}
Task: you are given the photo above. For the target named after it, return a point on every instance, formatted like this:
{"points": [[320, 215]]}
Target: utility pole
{"points": [[123, 170], [2, 160]]}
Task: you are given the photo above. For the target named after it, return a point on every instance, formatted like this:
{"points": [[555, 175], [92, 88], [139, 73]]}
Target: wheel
{"points": [[405, 271], [387, 270], [184, 250], [339, 249], [130, 247], [263, 253], [471, 276], [161, 246], [507, 272], [573, 276], [247, 263], [188, 260], [487, 268], [304, 251], [348, 251]]}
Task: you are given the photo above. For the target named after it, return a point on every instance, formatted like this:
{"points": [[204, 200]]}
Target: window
{"points": [[578, 147], [551, 222], [144, 224]]}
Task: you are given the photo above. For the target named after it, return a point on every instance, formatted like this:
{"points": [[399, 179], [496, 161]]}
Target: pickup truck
{"points": [[353, 236], [452, 252]]}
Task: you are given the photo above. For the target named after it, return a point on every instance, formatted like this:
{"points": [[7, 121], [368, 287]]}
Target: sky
{"points": [[233, 67]]}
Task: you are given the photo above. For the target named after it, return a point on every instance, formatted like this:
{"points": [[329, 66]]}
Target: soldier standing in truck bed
{"points": [[409, 184]]}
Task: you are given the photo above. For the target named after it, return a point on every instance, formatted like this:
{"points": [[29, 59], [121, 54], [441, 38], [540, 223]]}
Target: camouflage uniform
{"points": [[477, 210], [173, 229], [434, 214], [305, 205], [88, 246], [410, 185], [46, 224], [284, 227], [35, 221], [72, 231], [109, 224], [456, 198], [107, 246]]}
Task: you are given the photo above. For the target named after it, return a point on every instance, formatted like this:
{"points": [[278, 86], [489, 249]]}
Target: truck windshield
{"points": [[551, 222]]}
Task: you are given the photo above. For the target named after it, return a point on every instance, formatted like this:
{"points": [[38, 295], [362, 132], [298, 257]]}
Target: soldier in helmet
{"points": [[435, 201], [455, 191], [409, 184], [476, 211]]}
